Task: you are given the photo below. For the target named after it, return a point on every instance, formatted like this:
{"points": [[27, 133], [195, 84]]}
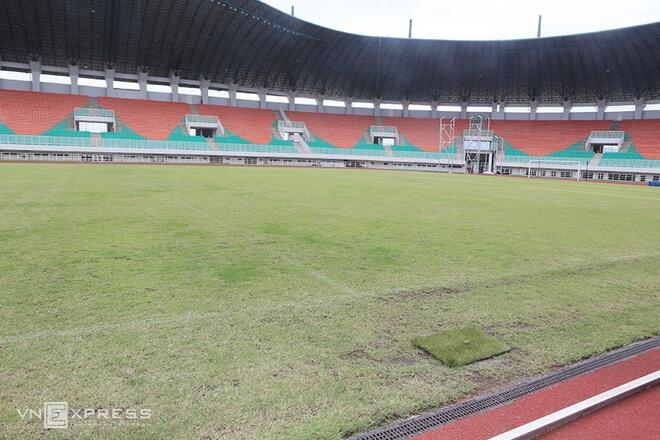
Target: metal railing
{"points": [[93, 112], [383, 129], [630, 163], [257, 148], [604, 162], [63, 142], [290, 124], [478, 133], [201, 119], [607, 135], [151, 145], [45, 141], [541, 159]]}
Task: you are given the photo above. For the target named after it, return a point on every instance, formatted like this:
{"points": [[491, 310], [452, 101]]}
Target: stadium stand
{"points": [[541, 138], [152, 120], [31, 113], [245, 125], [423, 133], [645, 136], [160, 125], [341, 131]]}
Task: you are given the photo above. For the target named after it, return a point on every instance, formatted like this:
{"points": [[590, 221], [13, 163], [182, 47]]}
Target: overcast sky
{"points": [[472, 19]]}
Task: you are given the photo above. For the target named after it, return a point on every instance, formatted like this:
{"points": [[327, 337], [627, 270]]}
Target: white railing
{"points": [[604, 162], [607, 135], [541, 159], [86, 142], [383, 129], [291, 124], [93, 112], [46, 141], [629, 163], [478, 133], [201, 119]]}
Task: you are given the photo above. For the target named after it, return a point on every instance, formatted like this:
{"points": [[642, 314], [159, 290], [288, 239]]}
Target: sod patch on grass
{"points": [[460, 346]]}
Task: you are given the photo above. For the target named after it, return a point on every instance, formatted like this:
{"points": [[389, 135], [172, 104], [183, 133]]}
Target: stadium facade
{"points": [[243, 83]]}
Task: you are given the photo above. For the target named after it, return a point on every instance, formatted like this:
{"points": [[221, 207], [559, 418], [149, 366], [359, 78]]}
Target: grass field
{"points": [[255, 303]]}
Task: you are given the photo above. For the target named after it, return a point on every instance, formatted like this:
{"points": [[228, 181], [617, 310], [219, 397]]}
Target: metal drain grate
{"points": [[425, 422]]}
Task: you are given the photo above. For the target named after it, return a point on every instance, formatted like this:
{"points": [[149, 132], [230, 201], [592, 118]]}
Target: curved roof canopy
{"points": [[251, 44]]}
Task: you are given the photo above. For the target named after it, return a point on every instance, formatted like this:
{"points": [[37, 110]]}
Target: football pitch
{"points": [[274, 303]]}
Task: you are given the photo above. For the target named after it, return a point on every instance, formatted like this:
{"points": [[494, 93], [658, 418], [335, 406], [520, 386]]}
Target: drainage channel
{"points": [[419, 424]]}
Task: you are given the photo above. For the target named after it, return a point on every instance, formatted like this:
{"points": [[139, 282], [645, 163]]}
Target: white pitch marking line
{"points": [[561, 417]]}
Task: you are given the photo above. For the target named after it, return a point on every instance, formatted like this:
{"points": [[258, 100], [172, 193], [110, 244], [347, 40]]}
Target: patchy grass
{"points": [[248, 303], [460, 346]]}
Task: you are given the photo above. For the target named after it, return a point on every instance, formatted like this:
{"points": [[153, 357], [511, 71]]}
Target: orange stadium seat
{"points": [[254, 125], [343, 131], [538, 138], [150, 119], [645, 136], [30, 113], [424, 133]]}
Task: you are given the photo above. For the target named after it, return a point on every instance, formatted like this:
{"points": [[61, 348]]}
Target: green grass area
{"points": [[279, 303], [461, 346]]}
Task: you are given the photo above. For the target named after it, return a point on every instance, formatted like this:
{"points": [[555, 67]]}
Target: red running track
{"points": [[557, 397], [637, 417]]}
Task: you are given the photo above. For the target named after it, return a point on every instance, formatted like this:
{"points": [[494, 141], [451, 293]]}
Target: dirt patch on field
{"points": [[355, 355], [403, 361], [507, 281]]}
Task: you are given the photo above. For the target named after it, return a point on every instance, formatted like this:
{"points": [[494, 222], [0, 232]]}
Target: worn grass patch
{"points": [[460, 346]]}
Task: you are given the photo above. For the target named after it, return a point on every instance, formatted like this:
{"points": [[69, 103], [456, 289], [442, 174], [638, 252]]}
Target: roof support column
{"points": [[109, 82], [377, 108], [566, 115], [262, 98], [349, 106], [319, 104], [174, 84], [497, 110], [142, 82], [204, 88], [35, 70], [464, 106], [602, 104], [405, 108], [533, 107], [434, 109], [292, 101], [232, 94], [639, 108], [74, 74]]}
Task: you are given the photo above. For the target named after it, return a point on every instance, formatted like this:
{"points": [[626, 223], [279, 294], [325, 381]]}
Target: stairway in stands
{"points": [[300, 144], [96, 141], [212, 144]]}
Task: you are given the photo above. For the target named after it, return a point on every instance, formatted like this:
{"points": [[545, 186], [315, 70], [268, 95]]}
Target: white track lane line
{"points": [[564, 416]]}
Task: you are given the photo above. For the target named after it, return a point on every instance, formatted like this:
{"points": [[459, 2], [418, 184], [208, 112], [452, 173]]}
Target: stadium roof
{"points": [[253, 45]]}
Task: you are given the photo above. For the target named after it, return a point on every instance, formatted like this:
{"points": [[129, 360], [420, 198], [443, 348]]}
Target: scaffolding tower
{"points": [[447, 138]]}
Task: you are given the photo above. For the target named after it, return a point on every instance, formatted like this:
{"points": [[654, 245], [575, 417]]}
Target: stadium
{"points": [[337, 236]]}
